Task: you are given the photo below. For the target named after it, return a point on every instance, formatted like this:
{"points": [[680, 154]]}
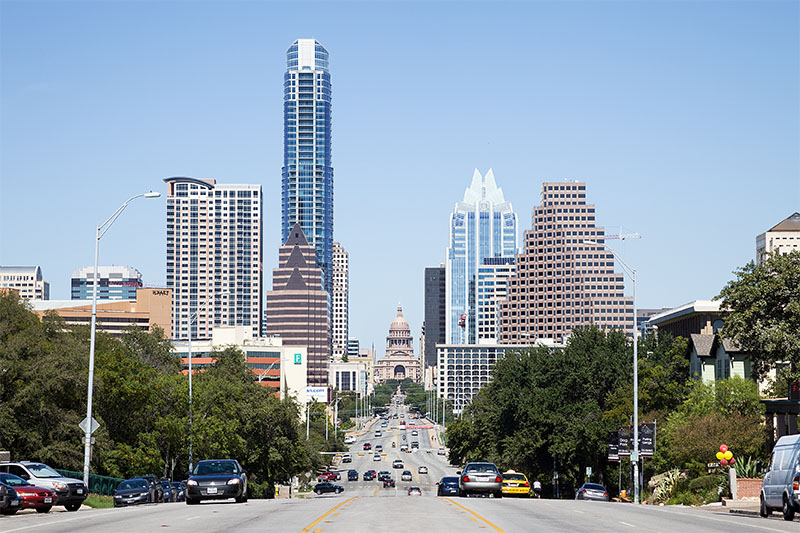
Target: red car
{"points": [[32, 497], [329, 476]]}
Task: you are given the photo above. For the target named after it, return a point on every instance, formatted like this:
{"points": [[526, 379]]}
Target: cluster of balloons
{"points": [[725, 456]]}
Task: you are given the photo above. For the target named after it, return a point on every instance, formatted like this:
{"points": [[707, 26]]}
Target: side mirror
{"points": [[188, 474]]}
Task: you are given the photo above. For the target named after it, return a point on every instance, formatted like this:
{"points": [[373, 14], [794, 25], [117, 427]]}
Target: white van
{"points": [[781, 486], [349, 439]]}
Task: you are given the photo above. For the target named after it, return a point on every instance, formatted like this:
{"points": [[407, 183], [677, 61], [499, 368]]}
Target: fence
{"points": [[104, 485]]}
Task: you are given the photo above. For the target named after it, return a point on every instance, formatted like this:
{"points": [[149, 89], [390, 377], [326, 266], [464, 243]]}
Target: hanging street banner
{"points": [[613, 446], [624, 441], [647, 438]]}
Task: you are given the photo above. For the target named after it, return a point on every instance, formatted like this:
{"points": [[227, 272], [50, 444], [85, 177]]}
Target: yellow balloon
{"points": [[728, 455], [720, 456]]}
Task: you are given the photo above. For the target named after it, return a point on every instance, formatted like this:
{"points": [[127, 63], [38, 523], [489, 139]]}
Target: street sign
{"points": [[613, 446], [647, 432], [95, 425], [319, 394], [624, 441], [589, 472]]}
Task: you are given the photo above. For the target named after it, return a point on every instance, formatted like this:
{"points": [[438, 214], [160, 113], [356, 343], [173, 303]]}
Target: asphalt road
{"points": [[366, 506]]}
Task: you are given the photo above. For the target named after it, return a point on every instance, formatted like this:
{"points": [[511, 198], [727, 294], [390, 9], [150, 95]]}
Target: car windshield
{"points": [[205, 468], [13, 481], [481, 468], [593, 486], [43, 471], [518, 477], [133, 484]]}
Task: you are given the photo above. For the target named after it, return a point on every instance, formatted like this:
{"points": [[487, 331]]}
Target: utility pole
{"points": [[308, 418]]}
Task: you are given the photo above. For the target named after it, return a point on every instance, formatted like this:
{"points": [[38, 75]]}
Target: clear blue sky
{"points": [[682, 117]]}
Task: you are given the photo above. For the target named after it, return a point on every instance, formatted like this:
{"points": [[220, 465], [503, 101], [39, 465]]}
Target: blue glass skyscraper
{"points": [[307, 176], [483, 226]]}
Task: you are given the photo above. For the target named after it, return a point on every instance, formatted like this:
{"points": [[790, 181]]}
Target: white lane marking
{"points": [[626, 524], [577, 511], [738, 524], [192, 518], [49, 523]]}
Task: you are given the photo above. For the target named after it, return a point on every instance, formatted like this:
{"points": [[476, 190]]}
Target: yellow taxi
{"points": [[515, 484]]}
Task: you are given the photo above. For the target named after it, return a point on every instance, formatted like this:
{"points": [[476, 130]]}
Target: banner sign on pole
{"points": [[319, 394], [624, 435], [613, 446], [647, 433]]}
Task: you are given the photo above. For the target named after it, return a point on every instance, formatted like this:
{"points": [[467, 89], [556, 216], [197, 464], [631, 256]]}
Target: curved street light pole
{"points": [[98, 234], [635, 456]]}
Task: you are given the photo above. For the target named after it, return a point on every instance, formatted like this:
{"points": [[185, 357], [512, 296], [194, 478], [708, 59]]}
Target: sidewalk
{"points": [[748, 507]]}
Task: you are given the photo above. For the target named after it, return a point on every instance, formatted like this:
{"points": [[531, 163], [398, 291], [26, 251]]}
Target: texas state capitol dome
{"points": [[400, 361]]}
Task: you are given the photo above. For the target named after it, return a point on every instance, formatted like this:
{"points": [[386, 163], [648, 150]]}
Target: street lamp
{"points": [[192, 318], [98, 234], [635, 456]]}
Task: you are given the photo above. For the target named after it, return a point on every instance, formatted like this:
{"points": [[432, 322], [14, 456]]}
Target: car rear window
{"points": [[519, 477], [594, 486], [481, 467], [449, 480]]}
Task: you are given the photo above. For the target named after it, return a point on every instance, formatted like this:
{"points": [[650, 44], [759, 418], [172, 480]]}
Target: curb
{"points": [[744, 512]]}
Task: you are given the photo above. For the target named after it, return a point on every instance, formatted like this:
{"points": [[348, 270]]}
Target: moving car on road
{"points": [[592, 491], [33, 497], [397, 463], [376, 457], [347, 458], [414, 491], [367, 446], [515, 484], [448, 485], [406, 475], [441, 451], [379, 447], [352, 475], [132, 491], [383, 474], [481, 477], [423, 469], [216, 479], [71, 492], [323, 488], [388, 483], [369, 475]]}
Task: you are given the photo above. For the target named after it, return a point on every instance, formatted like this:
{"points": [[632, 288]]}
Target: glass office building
{"points": [[482, 226], [307, 176]]}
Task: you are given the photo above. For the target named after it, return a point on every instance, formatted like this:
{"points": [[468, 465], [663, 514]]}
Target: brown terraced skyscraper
{"points": [[297, 305], [561, 283]]}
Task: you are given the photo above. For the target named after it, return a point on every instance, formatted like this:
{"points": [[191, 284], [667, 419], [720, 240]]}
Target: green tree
{"points": [[763, 312]]}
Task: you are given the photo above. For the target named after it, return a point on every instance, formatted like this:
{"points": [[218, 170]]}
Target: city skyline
{"points": [[690, 138]]}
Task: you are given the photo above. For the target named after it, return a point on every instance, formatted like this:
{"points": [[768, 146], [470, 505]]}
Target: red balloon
{"points": [[723, 448], [723, 462], [732, 461]]}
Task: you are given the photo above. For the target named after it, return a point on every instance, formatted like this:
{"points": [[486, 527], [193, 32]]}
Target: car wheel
{"points": [[189, 501], [498, 494], [788, 510], [764, 511], [44, 509], [72, 507], [464, 493]]}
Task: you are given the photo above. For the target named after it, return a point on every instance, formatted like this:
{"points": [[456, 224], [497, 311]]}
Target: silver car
{"points": [[481, 477], [780, 488], [592, 491]]}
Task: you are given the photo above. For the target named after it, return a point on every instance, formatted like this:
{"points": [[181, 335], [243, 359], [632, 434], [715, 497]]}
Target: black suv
{"points": [[352, 475], [369, 475], [216, 479]]}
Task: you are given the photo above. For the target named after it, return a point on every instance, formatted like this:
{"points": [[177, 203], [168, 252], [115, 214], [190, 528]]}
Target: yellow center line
{"points": [[476, 515], [376, 491], [318, 520]]}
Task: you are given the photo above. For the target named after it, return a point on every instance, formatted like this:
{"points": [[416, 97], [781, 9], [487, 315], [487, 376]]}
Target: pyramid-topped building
{"points": [[297, 305]]}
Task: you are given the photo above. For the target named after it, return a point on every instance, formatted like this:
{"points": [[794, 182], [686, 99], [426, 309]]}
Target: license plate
{"points": [[14, 503], [48, 500], [129, 500], [79, 491], [212, 490]]}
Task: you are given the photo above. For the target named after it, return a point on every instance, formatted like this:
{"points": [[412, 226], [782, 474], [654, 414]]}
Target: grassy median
{"points": [[97, 501]]}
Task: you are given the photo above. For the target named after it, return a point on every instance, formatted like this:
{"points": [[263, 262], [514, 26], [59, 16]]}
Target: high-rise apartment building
{"points": [[561, 282], [114, 283], [214, 252], [492, 288], [782, 238], [435, 313], [307, 176], [341, 288], [297, 305], [483, 225], [27, 280], [353, 347]]}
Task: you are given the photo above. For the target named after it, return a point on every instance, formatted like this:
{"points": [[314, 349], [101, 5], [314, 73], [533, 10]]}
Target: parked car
{"points": [[352, 475], [516, 484], [167, 494], [388, 483], [132, 491], [216, 479], [156, 492], [406, 475], [592, 491], [70, 492], [323, 488], [780, 488], [180, 491], [33, 497], [481, 477], [414, 491], [369, 475], [448, 485], [10, 501]]}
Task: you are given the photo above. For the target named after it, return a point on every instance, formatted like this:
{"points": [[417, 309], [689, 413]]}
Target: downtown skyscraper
{"points": [[214, 256], [562, 282], [307, 175], [483, 228]]}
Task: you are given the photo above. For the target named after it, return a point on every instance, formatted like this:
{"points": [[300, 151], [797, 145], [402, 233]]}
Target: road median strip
{"points": [[321, 518], [476, 515]]}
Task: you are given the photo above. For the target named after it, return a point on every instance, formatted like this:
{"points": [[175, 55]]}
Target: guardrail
{"points": [[98, 484]]}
